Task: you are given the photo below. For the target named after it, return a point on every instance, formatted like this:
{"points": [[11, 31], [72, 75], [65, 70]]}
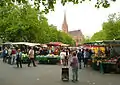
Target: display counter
{"points": [[48, 59], [105, 65]]}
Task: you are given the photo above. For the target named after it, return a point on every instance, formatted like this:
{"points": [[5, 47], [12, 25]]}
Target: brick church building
{"points": [[76, 34]]}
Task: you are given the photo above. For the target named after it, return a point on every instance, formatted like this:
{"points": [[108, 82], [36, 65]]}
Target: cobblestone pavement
{"points": [[50, 75]]}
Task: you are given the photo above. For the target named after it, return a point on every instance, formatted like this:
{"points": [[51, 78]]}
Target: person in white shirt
{"points": [[62, 55], [31, 57], [9, 55]]}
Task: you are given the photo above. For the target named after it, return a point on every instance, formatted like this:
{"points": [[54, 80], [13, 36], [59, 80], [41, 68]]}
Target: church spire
{"points": [[65, 17], [65, 25]]}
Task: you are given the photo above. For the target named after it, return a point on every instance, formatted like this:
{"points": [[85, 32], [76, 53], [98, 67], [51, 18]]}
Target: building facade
{"points": [[77, 35]]}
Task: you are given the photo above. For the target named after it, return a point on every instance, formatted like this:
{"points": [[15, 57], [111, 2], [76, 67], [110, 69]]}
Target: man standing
{"points": [[31, 57], [86, 56], [18, 58], [9, 55], [79, 55], [5, 54]]}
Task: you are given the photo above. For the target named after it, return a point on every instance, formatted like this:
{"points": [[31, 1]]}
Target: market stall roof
{"points": [[104, 42], [55, 43], [7, 43], [25, 43], [44, 45], [64, 45]]}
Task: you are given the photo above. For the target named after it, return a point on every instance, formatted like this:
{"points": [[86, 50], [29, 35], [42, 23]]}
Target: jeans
{"points": [[5, 59], [80, 65], [19, 63], [75, 74], [12, 59], [85, 61]]}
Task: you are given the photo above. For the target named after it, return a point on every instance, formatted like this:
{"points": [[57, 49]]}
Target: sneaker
{"points": [[76, 80], [73, 81]]}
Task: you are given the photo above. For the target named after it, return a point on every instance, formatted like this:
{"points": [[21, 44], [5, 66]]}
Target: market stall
{"points": [[24, 50], [106, 55], [44, 56], [53, 53]]}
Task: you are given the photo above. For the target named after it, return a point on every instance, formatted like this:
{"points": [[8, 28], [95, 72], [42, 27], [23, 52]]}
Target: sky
{"points": [[83, 16]]}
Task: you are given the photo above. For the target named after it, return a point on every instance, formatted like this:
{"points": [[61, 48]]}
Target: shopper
{"points": [[5, 54], [13, 55], [62, 57], [79, 55], [74, 65], [31, 57], [9, 55], [86, 56], [18, 58]]}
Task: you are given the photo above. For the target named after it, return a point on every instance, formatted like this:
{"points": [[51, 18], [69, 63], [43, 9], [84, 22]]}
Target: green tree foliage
{"points": [[24, 23], [98, 36], [49, 4], [110, 29], [86, 39]]}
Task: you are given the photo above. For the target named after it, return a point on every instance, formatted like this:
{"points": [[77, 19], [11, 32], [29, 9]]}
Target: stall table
{"points": [[42, 59], [106, 67], [48, 59]]}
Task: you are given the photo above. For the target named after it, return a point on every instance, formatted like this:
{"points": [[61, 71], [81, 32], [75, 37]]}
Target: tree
{"points": [[110, 29], [24, 23], [98, 36], [86, 39], [16, 26], [49, 4]]}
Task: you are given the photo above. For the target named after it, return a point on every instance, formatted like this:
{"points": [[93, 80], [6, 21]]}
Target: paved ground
{"points": [[50, 75]]}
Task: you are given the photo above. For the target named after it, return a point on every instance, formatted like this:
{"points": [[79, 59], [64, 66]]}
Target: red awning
{"points": [[54, 44]]}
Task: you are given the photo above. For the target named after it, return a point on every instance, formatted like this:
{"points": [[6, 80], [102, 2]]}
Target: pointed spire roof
{"points": [[65, 21], [65, 25]]}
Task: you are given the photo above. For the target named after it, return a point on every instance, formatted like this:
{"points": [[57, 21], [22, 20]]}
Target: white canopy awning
{"points": [[25, 43], [65, 45]]}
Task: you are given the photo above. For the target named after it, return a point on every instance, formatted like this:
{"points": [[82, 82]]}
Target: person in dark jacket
{"points": [[18, 58], [5, 54], [79, 55], [90, 53]]}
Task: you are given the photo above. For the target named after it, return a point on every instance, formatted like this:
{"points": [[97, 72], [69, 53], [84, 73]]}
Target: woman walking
{"points": [[74, 64]]}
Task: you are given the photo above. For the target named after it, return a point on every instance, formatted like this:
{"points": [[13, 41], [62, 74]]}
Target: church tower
{"points": [[65, 25]]}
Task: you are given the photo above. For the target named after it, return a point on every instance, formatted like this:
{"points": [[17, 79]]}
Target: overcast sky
{"points": [[83, 16]]}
